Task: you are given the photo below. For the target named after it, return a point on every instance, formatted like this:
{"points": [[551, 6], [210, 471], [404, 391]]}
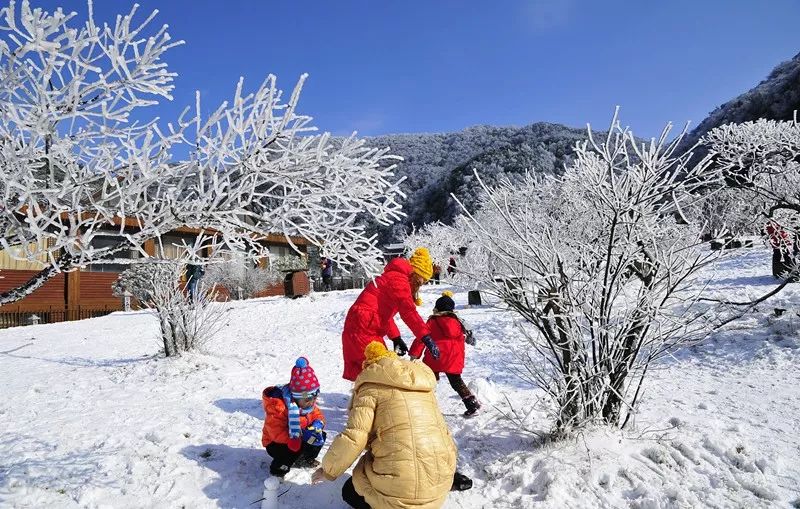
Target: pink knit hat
{"points": [[304, 380]]}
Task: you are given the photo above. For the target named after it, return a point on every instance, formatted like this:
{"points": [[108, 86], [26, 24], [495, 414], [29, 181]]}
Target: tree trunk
{"points": [[166, 335]]}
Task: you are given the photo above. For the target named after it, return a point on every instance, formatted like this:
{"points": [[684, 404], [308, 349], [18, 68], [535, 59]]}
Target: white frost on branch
{"points": [[761, 163], [74, 166], [600, 266]]}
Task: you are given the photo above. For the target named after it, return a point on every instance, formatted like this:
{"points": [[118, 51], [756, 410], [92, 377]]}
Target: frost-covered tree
{"points": [[140, 279], [761, 164], [242, 275], [75, 165], [442, 241], [186, 322], [599, 263]]}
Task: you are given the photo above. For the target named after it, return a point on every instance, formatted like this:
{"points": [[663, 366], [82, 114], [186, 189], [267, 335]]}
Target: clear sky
{"points": [[391, 66]]}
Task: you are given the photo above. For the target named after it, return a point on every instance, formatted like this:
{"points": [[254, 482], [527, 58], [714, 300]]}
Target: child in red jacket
{"points": [[449, 335], [293, 424]]}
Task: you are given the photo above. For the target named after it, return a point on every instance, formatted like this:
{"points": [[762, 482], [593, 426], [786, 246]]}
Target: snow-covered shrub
{"points": [[186, 322], [241, 276], [283, 264], [236, 275], [140, 280], [442, 241], [597, 262], [73, 161], [727, 212]]}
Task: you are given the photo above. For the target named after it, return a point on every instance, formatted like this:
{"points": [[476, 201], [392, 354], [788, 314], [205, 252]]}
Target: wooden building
{"points": [[87, 292]]}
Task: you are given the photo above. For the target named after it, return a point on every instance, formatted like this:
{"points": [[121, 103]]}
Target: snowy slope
{"points": [[91, 416]]}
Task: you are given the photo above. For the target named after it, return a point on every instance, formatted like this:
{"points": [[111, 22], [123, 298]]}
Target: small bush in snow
{"points": [[241, 276], [141, 279], [186, 323]]}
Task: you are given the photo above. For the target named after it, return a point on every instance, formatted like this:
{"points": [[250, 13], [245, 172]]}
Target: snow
{"points": [[93, 416]]}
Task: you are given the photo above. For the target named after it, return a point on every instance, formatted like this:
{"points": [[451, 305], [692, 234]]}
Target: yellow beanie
{"points": [[418, 301], [422, 263], [376, 351], [447, 293]]}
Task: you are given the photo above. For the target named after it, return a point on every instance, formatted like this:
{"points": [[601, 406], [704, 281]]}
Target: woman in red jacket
{"points": [[371, 317], [449, 335]]}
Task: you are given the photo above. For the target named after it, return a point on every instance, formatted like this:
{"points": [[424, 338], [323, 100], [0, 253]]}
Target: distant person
{"points": [[293, 424], [193, 275], [780, 241], [437, 272], [450, 335], [451, 266], [411, 457], [326, 268], [371, 317]]}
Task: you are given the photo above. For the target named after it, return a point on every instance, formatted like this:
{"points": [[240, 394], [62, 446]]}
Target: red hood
{"points": [[400, 265]]}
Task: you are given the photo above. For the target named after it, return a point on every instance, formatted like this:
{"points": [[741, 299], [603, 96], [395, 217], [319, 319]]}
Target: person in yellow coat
{"points": [[394, 415]]}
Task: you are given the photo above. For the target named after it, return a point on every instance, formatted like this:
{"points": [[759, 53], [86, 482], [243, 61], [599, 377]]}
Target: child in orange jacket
{"points": [[293, 424]]}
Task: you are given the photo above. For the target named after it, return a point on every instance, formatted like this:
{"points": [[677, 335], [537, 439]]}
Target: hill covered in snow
{"points": [[436, 165], [776, 98]]}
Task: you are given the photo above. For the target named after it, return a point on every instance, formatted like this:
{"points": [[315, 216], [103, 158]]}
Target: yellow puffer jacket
{"points": [[411, 457]]}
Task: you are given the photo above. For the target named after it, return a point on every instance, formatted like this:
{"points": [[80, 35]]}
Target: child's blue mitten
{"points": [[313, 434], [433, 349]]}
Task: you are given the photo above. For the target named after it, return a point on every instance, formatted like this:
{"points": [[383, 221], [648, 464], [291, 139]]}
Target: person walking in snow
{"points": [[780, 242], [293, 423], [371, 317], [326, 270], [450, 335], [411, 457], [193, 274], [451, 266]]}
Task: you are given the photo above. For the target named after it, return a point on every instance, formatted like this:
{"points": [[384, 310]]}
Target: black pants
{"points": [[782, 263], [353, 499], [351, 496], [458, 385], [283, 458]]}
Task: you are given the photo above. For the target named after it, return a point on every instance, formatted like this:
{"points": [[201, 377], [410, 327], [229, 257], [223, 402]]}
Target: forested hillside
{"points": [[436, 165], [775, 98]]}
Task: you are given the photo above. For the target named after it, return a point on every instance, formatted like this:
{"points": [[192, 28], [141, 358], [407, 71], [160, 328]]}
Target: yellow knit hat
{"points": [[422, 263], [374, 352]]}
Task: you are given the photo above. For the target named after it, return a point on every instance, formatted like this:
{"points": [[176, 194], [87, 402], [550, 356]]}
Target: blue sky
{"points": [[433, 66]]}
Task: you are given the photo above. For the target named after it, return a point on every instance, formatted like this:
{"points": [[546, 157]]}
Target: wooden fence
{"points": [[18, 318]]}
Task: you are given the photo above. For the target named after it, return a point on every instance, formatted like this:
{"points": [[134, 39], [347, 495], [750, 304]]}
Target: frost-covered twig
{"points": [[82, 182]]}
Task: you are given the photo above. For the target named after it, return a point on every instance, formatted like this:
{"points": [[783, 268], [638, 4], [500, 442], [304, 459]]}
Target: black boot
{"points": [[472, 404], [461, 482]]}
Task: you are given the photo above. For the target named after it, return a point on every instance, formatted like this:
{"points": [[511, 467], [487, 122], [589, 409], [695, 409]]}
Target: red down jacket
{"points": [[371, 317], [447, 333]]}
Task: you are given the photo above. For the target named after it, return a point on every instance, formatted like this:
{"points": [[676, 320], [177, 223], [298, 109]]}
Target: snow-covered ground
{"points": [[92, 416]]}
